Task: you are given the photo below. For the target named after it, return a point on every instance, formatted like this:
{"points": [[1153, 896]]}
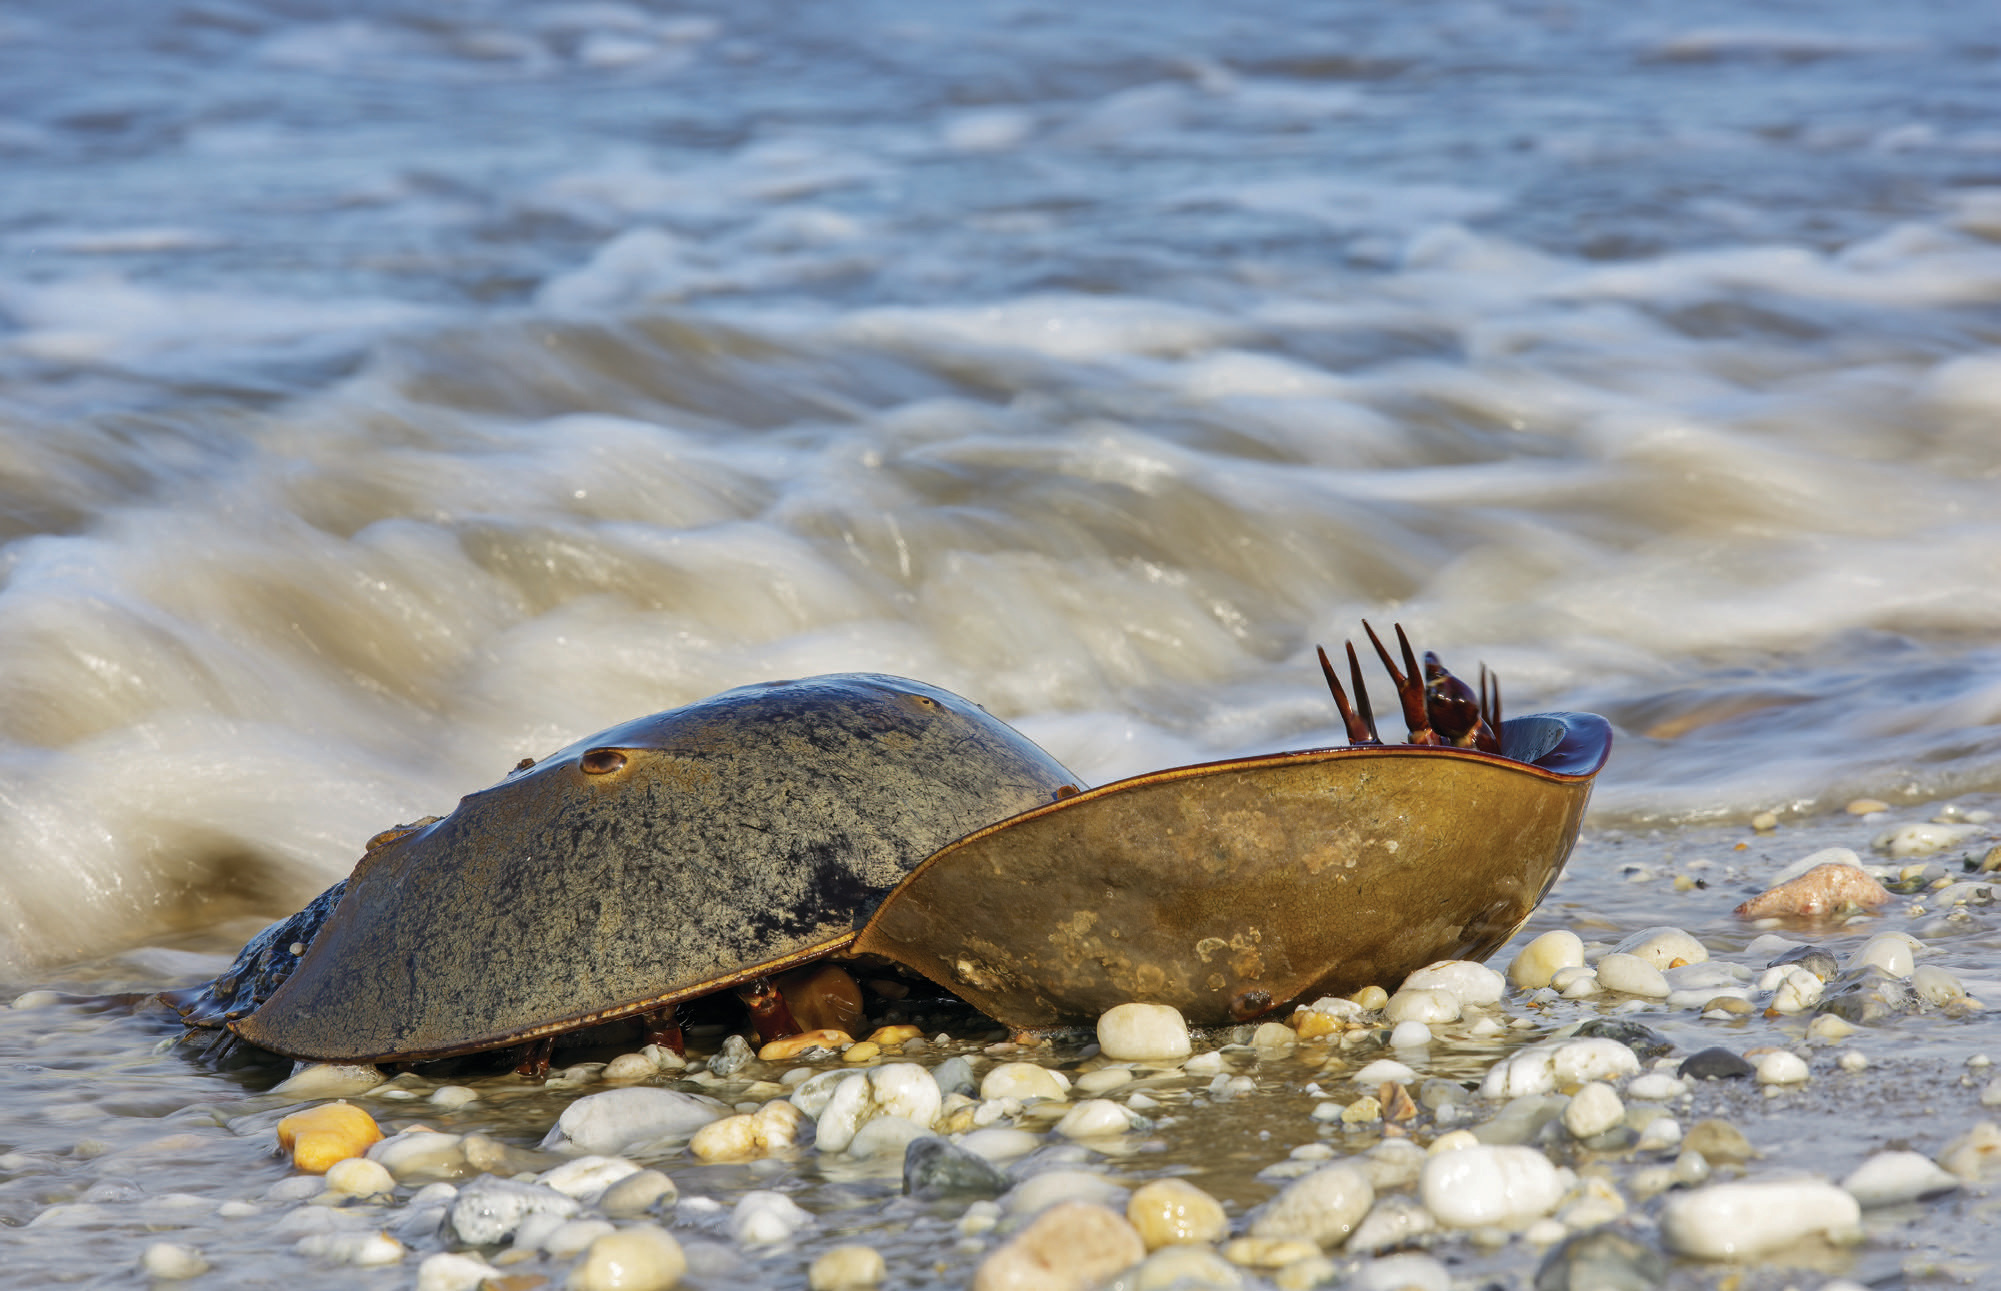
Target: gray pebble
{"points": [[955, 1076], [488, 1209], [936, 1167], [636, 1194], [1813, 959], [735, 1056], [1714, 1064], [1602, 1259]]}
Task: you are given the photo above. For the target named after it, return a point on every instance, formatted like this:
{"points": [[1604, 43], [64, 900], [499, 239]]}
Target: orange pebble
{"points": [[1311, 1025], [892, 1037], [789, 1046], [322, 1136]]}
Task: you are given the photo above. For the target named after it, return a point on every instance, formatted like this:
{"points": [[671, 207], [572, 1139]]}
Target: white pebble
{"points": [[1383, 1069], [1473, 984], [360, 1177], [1576, 983], [1485, 1186], [1893, 1178], [1539, 960], [610, 1122], [1922, 839], [1825, 856], [1204, 1064], [886, 1136], [1631, 975], [847, 1268], [1104, 1079], [1022, 1081], [637, 1193], [1743, 1220], [416, 1153], [362, 1249], [490, 1208], [630, 1066], [1852, 1062], [1321, 1207], [1407, 1035], [1422, 1004], [1660, 1134], [1407, 1272], [1936, 986], [572, 1236], [173, 1261], [1558, 1064], [1143, 1033], [1781, 1067], [897, 1089], [1662, 946], [1094, 1117], [1797, 992], [586, 1177], [1889, 951], [641, 1258], [448, 1272], [1001, 1143], [764, 1218], [1593, 1110], [1655, 1087], [311, 1080], [452, 1097], [1052, 1187]]}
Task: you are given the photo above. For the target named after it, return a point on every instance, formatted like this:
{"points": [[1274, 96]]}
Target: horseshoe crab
{"points": [[737, 841]]}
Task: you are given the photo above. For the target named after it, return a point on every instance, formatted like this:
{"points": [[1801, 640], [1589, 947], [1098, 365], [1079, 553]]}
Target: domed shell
{"points": [[661, 859]]}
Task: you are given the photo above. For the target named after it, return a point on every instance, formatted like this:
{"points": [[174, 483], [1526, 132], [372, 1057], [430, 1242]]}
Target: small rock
{"points": [[1782, 1067], [361, 1249], [1186, 1268], [489, 1208], [1470, 983], [765, 1218], [1889, 951], [1593, 1110], [788, 1047], [1069, 1247], [954, 1076], [734, 1056], [1745, 1220], [895, 1089], [447, 1272], [1143, 1033], [1936, 986], [1422, 1005], [1765, 822], [1322, 1207], [938, 1167], [1823, 890], [449, 1098], [608, 1123], [1106, 1079], [1866, 806], [1655, 1087], [1170, 1212], [1812, 958], [1659, 1134], [748, 1136], [1974, 1153], [1645, 1042], [847, 1268], [331, 1132], [1054, 1187], [1719, 1142], [417, 1156], [360, 1177], [1602, 1260], [1558, 1064], [886, 1136], [629, 1067], [1893, 1178], [1632, 975], [1485, 1186], [1022, 1081], [172, 1261], [862, 1052], [587, 1177], [636, 1194], [1922, 839], [643, 1257], [569, 1238], [1798, 991], [1268, 1252], [1095, 1117], [1392, 1222], [1662, 946], [1410, 1035], [327, 1080], [1714, 1064], [1540, 959]]}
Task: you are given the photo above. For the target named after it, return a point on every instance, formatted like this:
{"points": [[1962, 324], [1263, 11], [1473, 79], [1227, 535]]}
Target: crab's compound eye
{"points": [[601, 761]]}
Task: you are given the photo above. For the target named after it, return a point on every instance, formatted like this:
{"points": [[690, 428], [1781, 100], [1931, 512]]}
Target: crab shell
{"points": [[726, 840]]}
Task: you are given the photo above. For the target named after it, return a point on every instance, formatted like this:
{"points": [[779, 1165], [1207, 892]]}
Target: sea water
{"points": [[389, 393]]}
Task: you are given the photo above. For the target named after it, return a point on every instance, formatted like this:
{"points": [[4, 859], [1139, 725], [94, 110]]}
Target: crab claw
{"points": [[1361, 726], [1410, 686], [1451, 704], [769, 1012]]}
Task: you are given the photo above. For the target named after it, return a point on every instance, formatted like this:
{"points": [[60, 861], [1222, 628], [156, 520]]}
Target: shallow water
{"points": [[386, 396]]}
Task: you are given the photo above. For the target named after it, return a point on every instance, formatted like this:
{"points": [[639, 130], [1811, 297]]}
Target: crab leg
{"points": [[1360, 730], [769, 1013], [534, 1062], [1454, 709], [1410, 686], [664, 1029], [1362, 694]]}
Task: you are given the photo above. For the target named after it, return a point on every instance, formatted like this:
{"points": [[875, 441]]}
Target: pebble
{"points": [[938, 1167], [448, 1272], [1186, 1268], [327, 1080], [1271, 1036], [748, 1135], [847, 1268], [1001, 1143], [1539, 961], [489, 1208], [1631, 975], [364, 1250], [1602, 1260], [1370, 998], [1866, 806], [1826, 889], [1054, 1187], [1782, 1067], [1659, 1134], [637, 1193], [360, 1177], [1410, 1035], [421, 1156], [1322, 1207], [1143, 1033], [1974, 1153], [1889, 951], [1765, 822], [1106, 1079], [1655, 1087], [895, 1089], [1422, 1005], [587, 1177], [1173, 1212], [1487, 1186], [172, 1261], [1713, 1064], [1558, 1064], [1826, 1026], [1269, 1252], [1742, 1220], [1470, 983], [571, 1237], [1796, 992], [1408, 1272], [1593, 1110], [766, 1218], [1719, 1142], [1576, 983], [1096, 1117], [1385, 1069], [643, 1257], [1662, 946], [1392, 1222], [1024, 1080], [617, 1119], [1922, 838], [862, 1052], [1893, 1178], [1852, 1062], [325, 1134], [1645, 1042], [1069, 1247]]}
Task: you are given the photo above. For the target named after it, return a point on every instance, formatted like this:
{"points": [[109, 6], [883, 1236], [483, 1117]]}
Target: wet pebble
{"points": [[1539, 961], [1823, 890], [421, 1155], [1143, 1033], [1782, 1067], [360, 1177], [1422, 1005], [1095, 1117], [1022, 1081], [1631, 975], [1322, 1207], [1054, 1187], [173, 1261], [1470, 983], [1718, 1142], [612, 1121], [1662, 946], [1714, 1064], [450, 1272], [643, 1257], [1172, 1212], [1893, 1178], [1973, 1154], [449, 1098], [489, 1208], [938, 1167], [1644, 1041], [636, 1194], [1069, 1247], [587, 1177], [1594, 1109], [1553, 1064], [1602, 1260], [1890, 951], [748, 1135], [901, 1090], [847, 1268], [1744, 1220], [1393, 1221], [1186, 1268], [1813, 959], [331, 1132], [766, 1218], [1489, 1185]]}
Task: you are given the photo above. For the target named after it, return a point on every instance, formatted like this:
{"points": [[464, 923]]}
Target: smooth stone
{"points": [[1186, 1268], [1558, 1064], [1936, 986], [1826, 889], [1521, 1120], [1974, 1153], [1273, 1036], [1269, 1252], [1798, 991], [1893, 1178], [1143, 1033], [1172, 1212], [1054, 1187], [1663, 945], [1022, 1081], [172, 1261], [1828, 1027], [1470, 983], [886, 1136], [572, 1237], [641, 1258], [1489, 1186], [1385, 1069], [489, 1208], [1106, 1079], [1655, 1087], [1889, 951], [1853, 1062], [1865, 806], [1393, 1163], [1814, 860], [606, 1124], [1743, 1220], [1408, 1272], [1711, 975], [1410, 1035], [1576, 983], [418, 1155], [361, 1249], [1392, 1222], [765, 1218], [1001, 1143], [1659, 1134], [895, 1089], [1782, 1067], [1094, 1118], [1072, 1246], [320, 1136], [1602, 1260], [1593, 1110], [1714, 1064], [847, 1268], [449, 1272], [1322, 1207], [1422, 1005], [955, 1076], [1645, 1042], [1538, 961], [360, 1177], [586, 1177], [1719, 1142], [1922, 838], [311, 1080], [491, 1156], [1631, 975], [1813, 959], [637, 1193], [938, 1167]]}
